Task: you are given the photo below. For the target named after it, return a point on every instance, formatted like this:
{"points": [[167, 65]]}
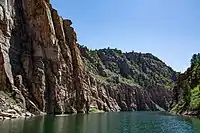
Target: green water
{"points": [[124, 122]]}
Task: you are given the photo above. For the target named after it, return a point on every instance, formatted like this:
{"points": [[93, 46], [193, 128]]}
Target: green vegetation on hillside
{"points": [[112, 65], [187, 90], [195, 98]]}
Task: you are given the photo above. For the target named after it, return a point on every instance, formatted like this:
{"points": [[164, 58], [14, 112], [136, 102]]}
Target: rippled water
{"points": [[124, 122]]}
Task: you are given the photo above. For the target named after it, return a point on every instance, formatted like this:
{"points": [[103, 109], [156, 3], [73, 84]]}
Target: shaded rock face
{"points": [[42, 68], [124, 97]]}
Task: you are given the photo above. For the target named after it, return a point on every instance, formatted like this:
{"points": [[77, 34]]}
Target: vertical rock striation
{"points": [[42, 68]]}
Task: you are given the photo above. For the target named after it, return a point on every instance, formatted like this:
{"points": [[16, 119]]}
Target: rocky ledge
{"points": [[43, 70]]}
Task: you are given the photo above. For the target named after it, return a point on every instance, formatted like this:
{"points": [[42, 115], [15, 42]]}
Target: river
{"points": [[122, 122]]}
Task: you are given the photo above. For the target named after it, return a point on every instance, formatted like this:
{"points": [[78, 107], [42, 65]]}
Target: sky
{"points": [[169, 29]]}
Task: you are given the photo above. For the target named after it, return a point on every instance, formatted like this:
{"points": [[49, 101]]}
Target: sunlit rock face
{"points": [[40, 63], [42, 68]]}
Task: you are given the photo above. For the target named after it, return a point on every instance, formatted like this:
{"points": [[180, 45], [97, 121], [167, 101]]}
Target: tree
{"points": [[195, 59]]}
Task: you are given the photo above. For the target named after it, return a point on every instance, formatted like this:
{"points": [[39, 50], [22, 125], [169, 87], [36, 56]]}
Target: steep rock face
{"points": [[57, 73], [8, 36], [39, 53], [129, 81], [43, 70]]}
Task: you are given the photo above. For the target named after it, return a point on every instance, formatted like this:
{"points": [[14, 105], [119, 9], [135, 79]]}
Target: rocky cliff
{"points": [[43, 70], [132, 81], [186, 93]]}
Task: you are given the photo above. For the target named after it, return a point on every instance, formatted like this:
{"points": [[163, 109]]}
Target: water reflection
{"points": [[15, 126], [35, 124], [196, 125], [127, 122]]}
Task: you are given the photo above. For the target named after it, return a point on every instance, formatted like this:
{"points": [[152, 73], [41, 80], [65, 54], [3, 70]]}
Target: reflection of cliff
{"points": [[103, 123], [196, 123], [56, 124], [36, 124], [9, 126]]}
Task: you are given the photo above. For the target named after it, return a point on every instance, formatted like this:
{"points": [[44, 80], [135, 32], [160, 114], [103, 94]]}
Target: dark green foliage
{"points": [[131, 67], [195, 98], [195, 59], [187, 92]]}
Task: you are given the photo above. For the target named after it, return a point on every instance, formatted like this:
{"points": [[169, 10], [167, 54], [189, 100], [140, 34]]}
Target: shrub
{"points": [[195, 98]]}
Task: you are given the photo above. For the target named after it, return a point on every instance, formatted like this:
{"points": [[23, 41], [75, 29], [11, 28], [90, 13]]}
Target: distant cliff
{"points": [[43, 69], [186, 92], [130, 81]]}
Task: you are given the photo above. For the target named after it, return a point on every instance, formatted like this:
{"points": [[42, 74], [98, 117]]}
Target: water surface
{"points": [[123, 122]]}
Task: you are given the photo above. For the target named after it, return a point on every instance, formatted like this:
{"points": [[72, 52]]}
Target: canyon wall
{"points": [[42, 68]]}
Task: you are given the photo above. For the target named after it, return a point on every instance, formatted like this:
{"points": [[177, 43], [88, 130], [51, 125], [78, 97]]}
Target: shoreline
{"points": [[190, 114], [187, 113]]}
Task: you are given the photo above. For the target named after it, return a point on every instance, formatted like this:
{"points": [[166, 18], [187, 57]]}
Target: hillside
{"points": [[137, 70], [187, 90], [143, 69]]}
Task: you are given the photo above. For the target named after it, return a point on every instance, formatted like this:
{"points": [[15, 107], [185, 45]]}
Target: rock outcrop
{"points": [[128, 81], [42, 68]]}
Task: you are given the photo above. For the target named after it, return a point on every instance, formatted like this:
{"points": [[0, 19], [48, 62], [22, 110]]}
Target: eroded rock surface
{"points": [[43, 70], [128, 81]]}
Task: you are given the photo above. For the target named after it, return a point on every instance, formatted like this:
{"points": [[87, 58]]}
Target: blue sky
{"points": [[169, 29]]}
